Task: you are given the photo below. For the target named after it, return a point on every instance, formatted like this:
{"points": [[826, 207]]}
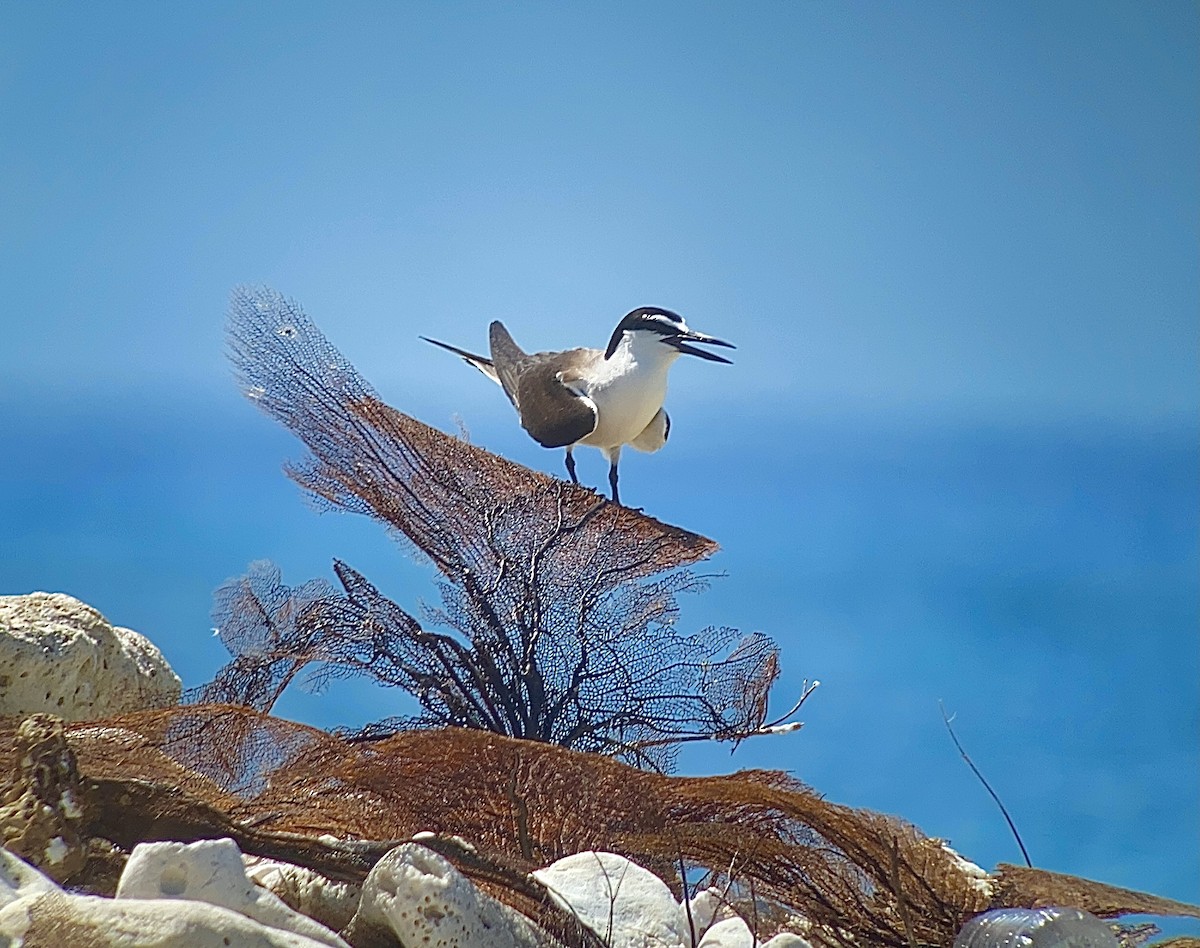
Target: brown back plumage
{"points": [[553, 415]]}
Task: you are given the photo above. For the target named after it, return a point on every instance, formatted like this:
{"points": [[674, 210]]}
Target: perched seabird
{"points": [[603, 398]]}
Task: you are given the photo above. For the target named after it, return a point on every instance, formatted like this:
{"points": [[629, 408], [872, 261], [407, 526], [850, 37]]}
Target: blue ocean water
{"points": [[1041, 583]]}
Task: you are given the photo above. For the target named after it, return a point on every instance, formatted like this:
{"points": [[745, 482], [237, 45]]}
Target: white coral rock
{"points": [[60, 656], [57, 920], [735, 933], [628, 906], [310, 893], [420, 898], [211, 871], [18, 879], [731, 933]]}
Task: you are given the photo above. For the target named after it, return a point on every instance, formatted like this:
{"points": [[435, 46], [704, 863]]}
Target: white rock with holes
{"points": [[61, 656], [211, 871], [58, 920], [735, 933], [631, 907], [419, 897], [628, 906], [730, 933], [36, 913], [322, 899], [18, 879]]}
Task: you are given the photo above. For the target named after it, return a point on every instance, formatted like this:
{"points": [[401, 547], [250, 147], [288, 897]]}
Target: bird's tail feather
{"points": [[482, 363]]}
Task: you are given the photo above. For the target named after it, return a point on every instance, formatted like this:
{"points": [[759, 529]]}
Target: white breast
{"points": [[628, 390]]}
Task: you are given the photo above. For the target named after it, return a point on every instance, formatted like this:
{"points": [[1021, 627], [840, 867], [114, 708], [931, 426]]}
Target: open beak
{"points": [[681, 341]]}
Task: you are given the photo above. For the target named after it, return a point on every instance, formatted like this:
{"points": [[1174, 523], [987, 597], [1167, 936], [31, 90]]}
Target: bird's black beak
{"points": [[681, 341]]}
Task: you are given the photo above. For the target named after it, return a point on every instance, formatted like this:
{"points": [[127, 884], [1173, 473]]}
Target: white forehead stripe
{"points": [[663, 322]]}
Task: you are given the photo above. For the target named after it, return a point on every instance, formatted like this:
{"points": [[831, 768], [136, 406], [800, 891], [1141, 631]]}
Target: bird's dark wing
{"points": [[553, 415], [507, 358]]}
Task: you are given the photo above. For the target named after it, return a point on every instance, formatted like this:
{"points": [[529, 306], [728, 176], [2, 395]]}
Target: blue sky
{"points": [[956, 245]]}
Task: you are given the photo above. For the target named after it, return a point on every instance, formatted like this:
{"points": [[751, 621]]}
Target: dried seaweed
{"points": [[788, 858], [560, 607]]}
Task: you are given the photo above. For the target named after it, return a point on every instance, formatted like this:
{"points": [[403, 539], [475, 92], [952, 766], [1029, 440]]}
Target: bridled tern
{"points": [[603, 398]]}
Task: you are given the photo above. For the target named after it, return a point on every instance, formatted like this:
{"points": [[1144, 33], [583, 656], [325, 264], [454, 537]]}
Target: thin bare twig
{"points": [[986, 786]]}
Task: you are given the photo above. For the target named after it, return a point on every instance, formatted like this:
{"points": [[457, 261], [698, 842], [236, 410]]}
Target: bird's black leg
{"points": [[571, 466], [612, 480]]}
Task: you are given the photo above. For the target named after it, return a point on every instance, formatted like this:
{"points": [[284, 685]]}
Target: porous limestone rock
{"points": [[415, 895], [61, 656], [730, 933], [41, 819], [322, 899], [735, 933], [55, 919], [702, 908], [626, 905], [211, 871], [18, 879]]}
